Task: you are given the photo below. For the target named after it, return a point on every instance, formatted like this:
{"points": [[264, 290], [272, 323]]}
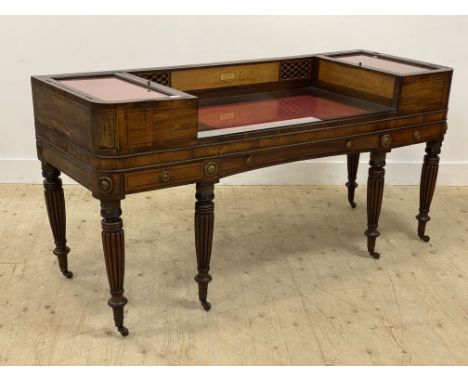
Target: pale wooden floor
{"points": [[292, 281]]}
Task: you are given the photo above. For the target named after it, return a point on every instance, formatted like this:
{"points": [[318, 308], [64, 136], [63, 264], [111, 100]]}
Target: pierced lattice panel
{"points": [[292, 70], [163, 78]]}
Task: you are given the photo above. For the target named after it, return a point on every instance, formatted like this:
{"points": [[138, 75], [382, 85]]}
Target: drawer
{"points": [[163, 177], [269, 157], [412, 135]]}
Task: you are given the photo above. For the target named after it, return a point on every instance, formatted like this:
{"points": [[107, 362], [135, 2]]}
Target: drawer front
{"points": [[271, 157], [412, 135], [225, 166], [163, 177]]}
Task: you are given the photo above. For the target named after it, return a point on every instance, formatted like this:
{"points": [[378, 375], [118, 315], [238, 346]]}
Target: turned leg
{"points": [[204, 220], [353, 162], [427, 186], [114, 256], [375, 186], [55, 203]]}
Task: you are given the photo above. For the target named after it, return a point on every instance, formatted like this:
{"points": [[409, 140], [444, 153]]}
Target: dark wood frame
{"points": [[119, 148]]}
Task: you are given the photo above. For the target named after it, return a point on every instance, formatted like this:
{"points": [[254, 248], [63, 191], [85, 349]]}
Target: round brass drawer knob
{"points": [[417, 135], [165, 176], [248, 159], [349, 144], [386, 140], [211, 169]]}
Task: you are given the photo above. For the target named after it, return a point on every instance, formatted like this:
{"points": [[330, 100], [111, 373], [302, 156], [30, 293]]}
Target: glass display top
{"points": [[257, 112], [113, 89], [376, 62]]}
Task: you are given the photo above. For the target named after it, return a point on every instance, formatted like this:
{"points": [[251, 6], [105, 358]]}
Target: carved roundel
{"points": [[211, 168], [105, 184], [386, 140], [165, 176]]}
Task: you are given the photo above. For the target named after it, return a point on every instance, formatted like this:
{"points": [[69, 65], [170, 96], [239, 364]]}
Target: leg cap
{"points": [[206, 305], [425, 238], [375, 255], [68, 274], [123, 330]]}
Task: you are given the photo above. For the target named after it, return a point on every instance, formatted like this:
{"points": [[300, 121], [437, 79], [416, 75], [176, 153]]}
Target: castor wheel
{"points": [[375, 255], [68, 274], [206, 305], [425, 238], [123, 330]]}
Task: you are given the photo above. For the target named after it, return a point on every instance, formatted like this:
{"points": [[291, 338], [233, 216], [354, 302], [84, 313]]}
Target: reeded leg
{"points": [[427, 186], [55, 203], [353, 163], [204, 220], [114, 255], [375, 186]]}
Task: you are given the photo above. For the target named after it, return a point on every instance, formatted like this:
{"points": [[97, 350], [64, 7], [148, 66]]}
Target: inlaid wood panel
{"points": [[61, 113], [358, 81], [175, 126], [217, 77], [105, 138], [156, 127], [76, 169], [139, 126], [427, 92]]}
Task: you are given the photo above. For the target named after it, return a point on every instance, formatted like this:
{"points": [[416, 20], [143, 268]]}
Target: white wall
{"points": [[46, 45]]}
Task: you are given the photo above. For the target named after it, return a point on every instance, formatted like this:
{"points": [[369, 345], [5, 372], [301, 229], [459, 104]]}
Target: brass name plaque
{"points": [[227, 76], [225, 116]]}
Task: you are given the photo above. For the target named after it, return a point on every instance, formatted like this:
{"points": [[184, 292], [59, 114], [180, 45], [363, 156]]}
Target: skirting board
{"points": [[312, 172]]}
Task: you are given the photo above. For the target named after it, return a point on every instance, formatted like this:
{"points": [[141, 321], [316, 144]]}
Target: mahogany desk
{"points": [[122, 132]]}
